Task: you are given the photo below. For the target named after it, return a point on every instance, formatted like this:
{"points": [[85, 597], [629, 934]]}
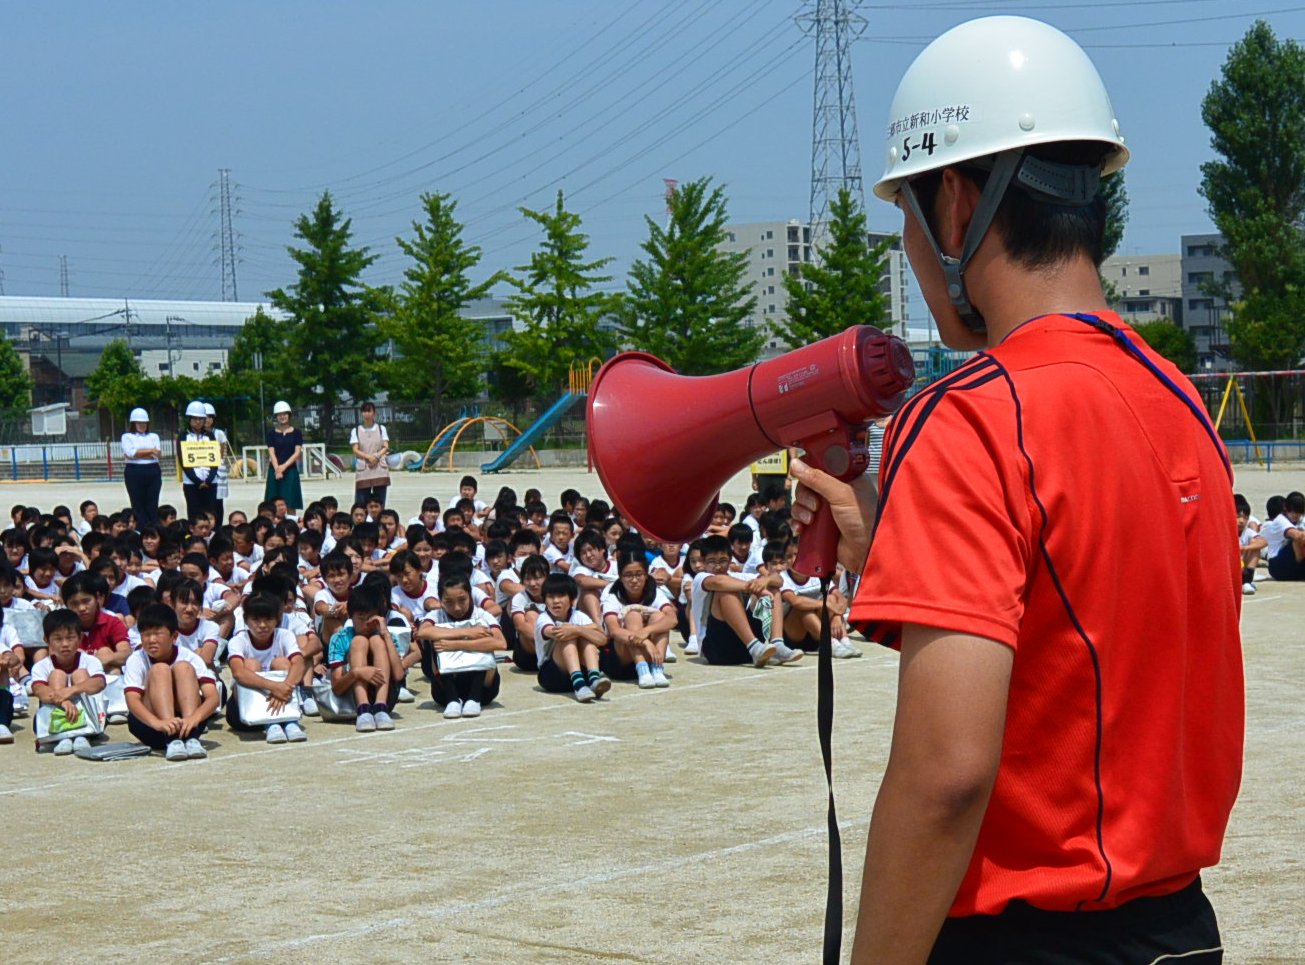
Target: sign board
{"points": [[772, 465], [49, 420], [201, 455]]}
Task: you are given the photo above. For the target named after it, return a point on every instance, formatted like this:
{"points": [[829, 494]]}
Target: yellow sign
{"points": [[200, 455], [776, 464]]}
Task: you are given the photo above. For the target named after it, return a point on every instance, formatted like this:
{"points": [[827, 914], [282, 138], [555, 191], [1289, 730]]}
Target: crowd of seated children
{"points": [[1284, 537], [189, 615]]}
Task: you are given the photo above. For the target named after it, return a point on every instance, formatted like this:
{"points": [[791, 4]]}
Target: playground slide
{"points": [[536, 429]]}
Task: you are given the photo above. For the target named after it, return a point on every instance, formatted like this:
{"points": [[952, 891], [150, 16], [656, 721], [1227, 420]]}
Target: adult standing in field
{"points": [[371, 448], [1068, 738], [285, 450], [224, 472], [142, 474], [199, 483]]}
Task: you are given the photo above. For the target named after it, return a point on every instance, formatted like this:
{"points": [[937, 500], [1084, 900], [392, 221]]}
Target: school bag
{"points": [[332, 706], [113, 751], [253, 707], [51, 724]]}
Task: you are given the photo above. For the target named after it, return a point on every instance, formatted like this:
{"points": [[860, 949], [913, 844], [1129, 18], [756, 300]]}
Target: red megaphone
{"points": [[664, 444]]}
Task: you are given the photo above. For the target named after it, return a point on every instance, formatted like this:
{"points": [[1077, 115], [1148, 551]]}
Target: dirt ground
{"points": [[682, 825]]}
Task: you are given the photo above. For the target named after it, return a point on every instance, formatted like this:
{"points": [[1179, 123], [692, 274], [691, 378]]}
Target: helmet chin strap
{"points": [[1004, 167]]}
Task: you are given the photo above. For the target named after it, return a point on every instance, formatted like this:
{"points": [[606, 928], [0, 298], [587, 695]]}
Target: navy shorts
{"points": [[1285, 566], [155, 739], [609, 662], [721, 644], [553, 678]]}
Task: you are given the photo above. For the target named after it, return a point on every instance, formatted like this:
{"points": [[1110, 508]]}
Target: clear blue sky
{"points": [[117, 117]]}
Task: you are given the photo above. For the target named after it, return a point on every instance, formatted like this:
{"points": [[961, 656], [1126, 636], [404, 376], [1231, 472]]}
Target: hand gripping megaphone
{"points": [[664, 444]]}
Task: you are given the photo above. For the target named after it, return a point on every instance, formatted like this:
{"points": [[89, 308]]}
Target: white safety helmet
{"points": [[985, 92], [209, 410], [281, 406], [138, 415], [990, 85], [195, 410]]}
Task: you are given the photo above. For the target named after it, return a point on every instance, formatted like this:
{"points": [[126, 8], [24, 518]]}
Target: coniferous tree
{"points": [[687, 302]]}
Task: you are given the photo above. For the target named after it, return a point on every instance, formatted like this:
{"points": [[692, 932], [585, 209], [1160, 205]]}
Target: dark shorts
{"points": [[1285, 566], [553, 678], [152, 738], [1180, 927], [461, 686], [522, 656], [721, 644], [610, 663]]}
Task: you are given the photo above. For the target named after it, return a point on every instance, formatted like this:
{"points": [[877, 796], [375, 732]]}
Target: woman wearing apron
{"points": [[143, 477], [285, 447], [371, 445]]}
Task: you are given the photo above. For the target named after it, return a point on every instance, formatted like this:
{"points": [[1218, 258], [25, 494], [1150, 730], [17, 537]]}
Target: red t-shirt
{"points": [[1054, 496], [107, 631]]}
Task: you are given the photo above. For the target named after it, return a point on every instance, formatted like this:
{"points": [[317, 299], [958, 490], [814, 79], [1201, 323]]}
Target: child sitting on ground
{"points": [[731, 634], [567, 642], [104, 636], [413, 594], [557, 551], [364, 662], [171, 693], [39, 584], [526, 608], [594, 573], [11, 667], [639, 617], [66, 672], [458, 642], [194, 633], [800, 595], [259, 646]]}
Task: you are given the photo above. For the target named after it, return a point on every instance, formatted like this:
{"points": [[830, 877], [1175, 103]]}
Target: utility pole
{"points": [[63, 276], [835, 146], [227, 237], [174, 356], [2, 275]]}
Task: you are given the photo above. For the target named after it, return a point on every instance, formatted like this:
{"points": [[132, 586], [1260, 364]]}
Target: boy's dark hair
{"points": [[457, 563], [465, 506], [29, 515], [80, 583], [740, 533], [469, 481], [524, 537], [590, 538], [555, 584], [773, 551], [1273, 507], [81, 510], [454, 580], [140, 597], [495, 547], [631, 541], [287, 553], [196, 559], [261, 526], [358, 505], [1037, 233], [390, 514], [440, 541], [288, 530], [499, 529], [460, 541], [773, 491], [168, 581], [1294, 503], [367, 601], [365, 531], [41, 557], [714, 545], [729, 510], [310, 538], [195, 544], [532, 566], [535, 507], [188, 591], [430, 505], [263, 606], [244, 531], [335, 562], [1241, 504], [380, 582], [105, 566], [57, 620], [404, 559], [93, 543], [452, 518], [274, 585], [167, 511], [8, 575], [267, 506], [751, 502], [330, 504], [342, 519], [558, 518], [774, 525], [219, 545], [157, 615], [568, 498], [168, 549]]}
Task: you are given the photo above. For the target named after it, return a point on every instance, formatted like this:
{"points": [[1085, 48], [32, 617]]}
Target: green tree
{"points": [[558, 304], [332, 335], [842, 288], [1255, 189], [440, 353], [15, 380], [1174, 342], [118, 384], [1115, 192], [687, 302]]}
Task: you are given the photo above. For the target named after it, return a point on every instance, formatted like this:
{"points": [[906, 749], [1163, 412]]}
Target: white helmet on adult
{"points": [[138, 415], [209, 410], [983, 93], [195, 410], [281, 406]]}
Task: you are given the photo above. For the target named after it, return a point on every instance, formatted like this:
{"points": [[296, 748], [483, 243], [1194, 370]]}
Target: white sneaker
{"points": [[176, 751], [80, 744], [406, 696], [842, 650], [471, 708], [646, 681], [453, 710], [195, 750], [384, 721], [786, 654], [307, 702], [1248, 589], [275, 734], [760, 652], [64, 747], [21, 703], [365, 724], [294, 733], [584, 695], [659, 677], [6, 735], [691, 647], [670, 655], [116, 719]]}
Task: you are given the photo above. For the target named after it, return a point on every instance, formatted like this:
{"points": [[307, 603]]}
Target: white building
{"points": [[1148, 287]]}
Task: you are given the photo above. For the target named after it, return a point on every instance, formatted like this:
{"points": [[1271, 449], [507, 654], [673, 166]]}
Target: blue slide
{"points": [[535, 430]]}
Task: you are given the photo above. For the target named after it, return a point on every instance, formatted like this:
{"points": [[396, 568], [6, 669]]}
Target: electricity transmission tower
{"points": [[226, 237], [835, 148], [63, 275]]}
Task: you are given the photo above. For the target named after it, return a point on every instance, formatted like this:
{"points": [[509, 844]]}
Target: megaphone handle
{"points": [[818, 547]]}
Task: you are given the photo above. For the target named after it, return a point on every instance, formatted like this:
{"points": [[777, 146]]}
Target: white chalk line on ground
{"points": [[563, 702], [452, 908]]}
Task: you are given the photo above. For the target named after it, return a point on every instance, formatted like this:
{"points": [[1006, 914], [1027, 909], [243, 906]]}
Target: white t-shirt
{"points": [[608, 576], [509, 575], [353, 434], [614, 607], [810, 589], [133, 442], [544, 647], [521, 602], [43, 668], [553, 555], [1274, 531], [283, 645], [478, 618], [701, 601], [137, 668], [8, 638], [416, 605], [206, 631]]}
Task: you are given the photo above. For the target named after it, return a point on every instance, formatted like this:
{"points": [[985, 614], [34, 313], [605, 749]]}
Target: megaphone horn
{"points": [[664, 444]]}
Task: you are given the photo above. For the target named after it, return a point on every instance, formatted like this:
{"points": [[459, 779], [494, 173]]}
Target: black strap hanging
{"points": [[825, 726]]}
